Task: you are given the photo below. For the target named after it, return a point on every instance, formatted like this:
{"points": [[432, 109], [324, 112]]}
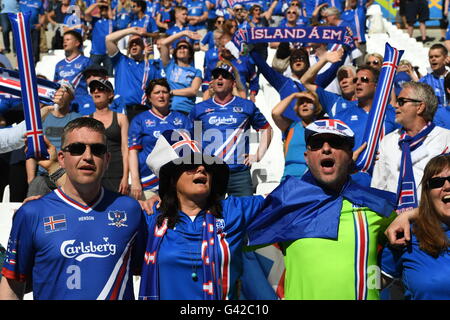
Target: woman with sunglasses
{"points": [[209, 42], [143, 133], [184, 79], [424, 264], [375, 60], [308, 109], [116, 124]]}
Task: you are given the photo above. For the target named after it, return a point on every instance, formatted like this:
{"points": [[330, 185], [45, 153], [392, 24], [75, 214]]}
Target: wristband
{"points": [[57, 174]]}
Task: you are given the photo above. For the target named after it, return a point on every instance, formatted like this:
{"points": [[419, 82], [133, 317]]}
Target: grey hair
{"points": [[332, 10], [425, 93]]}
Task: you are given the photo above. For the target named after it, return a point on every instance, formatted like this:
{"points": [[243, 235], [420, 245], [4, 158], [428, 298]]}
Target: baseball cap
{"points": [[225, 70], [330, 126], [101, 83]]}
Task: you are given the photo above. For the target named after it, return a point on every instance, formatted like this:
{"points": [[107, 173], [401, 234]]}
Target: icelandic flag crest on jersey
{"points": [[55, 223]]}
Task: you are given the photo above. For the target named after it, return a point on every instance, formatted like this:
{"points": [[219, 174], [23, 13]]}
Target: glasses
{"points": [[363, 79], [374, 62], [220, 21], [437, 182], [295, 59], [401, 101], [99, 88], [78, 148], [292, 12], [225, 75], [183, 47], [193, 168], [316, 143], [238, 9], [303, 100]]}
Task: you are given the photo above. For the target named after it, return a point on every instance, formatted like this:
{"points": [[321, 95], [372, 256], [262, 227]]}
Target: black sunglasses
{"points": [[401, 101], [78, 148], [363, 79], [99, 88], [220, 21], [192, 168], [374, 62], [182, 47], [224, 74], [291, 12], [437, 182], [316, 143]]}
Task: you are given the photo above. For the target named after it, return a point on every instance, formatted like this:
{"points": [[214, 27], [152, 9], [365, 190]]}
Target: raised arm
{"points": [[269, 12], [112, 39], [165, 43], [282, 122]]}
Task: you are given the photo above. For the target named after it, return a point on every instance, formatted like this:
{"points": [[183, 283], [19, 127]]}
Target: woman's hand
{"points": [[147, 205], [398, 232], [136, 191], [124, 187]]}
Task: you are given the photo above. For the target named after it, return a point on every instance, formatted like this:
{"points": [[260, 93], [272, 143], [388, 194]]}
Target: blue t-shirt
{"points": [[71, 70], [75, 252], [356, 18], [442, 117], [196, 8], [424, 277], [145, 128], [333, 103], [226, 128], [437, 83], [399, 79], [102, 27], [181, 78], [132, 77], [180, 250], [146, 22], [122, 19], [294, 148], [35, 7]]}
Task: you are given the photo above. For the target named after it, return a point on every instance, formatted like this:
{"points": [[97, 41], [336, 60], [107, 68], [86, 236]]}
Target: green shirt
{"points": [[342, 269]]}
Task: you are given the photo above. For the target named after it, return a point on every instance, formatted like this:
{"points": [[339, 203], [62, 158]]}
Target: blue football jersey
{"points": [[145, 128], [75, 252], [226, 128], [71, 70], [132, 77]]}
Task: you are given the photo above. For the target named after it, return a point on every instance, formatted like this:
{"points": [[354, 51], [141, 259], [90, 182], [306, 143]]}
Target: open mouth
{"points": [[87, 168], [327, 163], [201, 180], [446, 199]]}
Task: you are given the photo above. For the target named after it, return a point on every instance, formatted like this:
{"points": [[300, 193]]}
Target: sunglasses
{"points": [[292, 12], [437, 182], [99, 88], [295, 59], [183, 47], [220, 21], [401, 101], [78, 148], [303, 100], [374, 62], [193, 168], [363, 79], [316, 143], [238, 9], [225, 75]]}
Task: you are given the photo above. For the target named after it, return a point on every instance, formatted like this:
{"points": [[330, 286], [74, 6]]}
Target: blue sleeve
{"points": [[275, 79], [152, 26], [326, 99], [135, 134], [325, 78], [20, 254], [254, 76], [246, 206], [391, 262]]}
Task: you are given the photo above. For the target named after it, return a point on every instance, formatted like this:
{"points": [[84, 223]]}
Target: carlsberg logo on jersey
{"points": [[80, 251], [222, 120]]}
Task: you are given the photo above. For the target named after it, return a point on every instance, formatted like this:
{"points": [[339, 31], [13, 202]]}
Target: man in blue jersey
{"points": [[71, 69], [76, 242], [133, 72], [438, 58], [141, 19], [226, 121], [102, 26], [36, 8]]}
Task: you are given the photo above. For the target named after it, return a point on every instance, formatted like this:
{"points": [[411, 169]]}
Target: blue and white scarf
{"points": [[406, 190], [150, 282]]}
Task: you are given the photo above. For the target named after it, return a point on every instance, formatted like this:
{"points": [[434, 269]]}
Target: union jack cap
{"points": [[330, 126], [175, 148]]}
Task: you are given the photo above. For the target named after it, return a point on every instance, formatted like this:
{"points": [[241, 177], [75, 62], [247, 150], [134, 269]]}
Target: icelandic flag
{"points": [[55, 223]]}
